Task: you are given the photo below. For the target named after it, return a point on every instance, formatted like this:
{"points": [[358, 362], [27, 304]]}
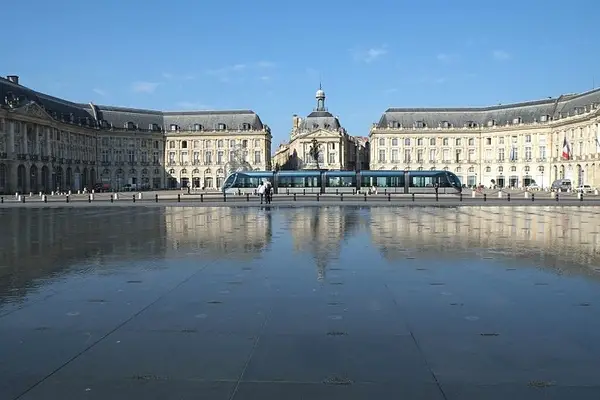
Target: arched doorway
{"points": [[33, 178], [3, 175], [92, 176], [21, 178], [579, 171], [561, 172], [58, 179], [69, 179], [45, 184], [84, 178]]}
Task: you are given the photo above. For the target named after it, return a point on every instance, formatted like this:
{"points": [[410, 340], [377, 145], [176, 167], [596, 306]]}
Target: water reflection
{"points": [[216, 232], [320, 231], [41, 244], [567, 239]]}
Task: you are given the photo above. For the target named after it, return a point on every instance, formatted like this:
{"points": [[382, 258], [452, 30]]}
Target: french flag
{"points": [[566, 150]]}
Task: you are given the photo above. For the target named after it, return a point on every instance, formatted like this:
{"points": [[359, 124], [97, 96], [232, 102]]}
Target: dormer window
{"points": [[327, 126], [153, 127], [471, 124], [315, 126], [197, 127], [491, 122], [130, 126], [103, 123], [421, 124], [445, 124], [221, 127], [517, 121], [173, 127], [544, 118], [246, 126]]}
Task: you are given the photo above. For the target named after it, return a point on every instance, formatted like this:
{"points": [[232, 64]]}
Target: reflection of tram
{"points": [[316, 181]]}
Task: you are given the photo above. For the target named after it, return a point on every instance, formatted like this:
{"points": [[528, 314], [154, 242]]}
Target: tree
{"points": [[314, 152], [236, 161]]}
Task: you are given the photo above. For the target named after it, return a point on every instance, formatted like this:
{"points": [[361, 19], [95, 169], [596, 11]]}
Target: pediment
{"points": [[32, 109]]}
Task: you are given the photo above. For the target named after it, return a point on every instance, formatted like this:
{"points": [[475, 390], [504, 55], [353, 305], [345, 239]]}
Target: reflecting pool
{"points": [[294, 303]]}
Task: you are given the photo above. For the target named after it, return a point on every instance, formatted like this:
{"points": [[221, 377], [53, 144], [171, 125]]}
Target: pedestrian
{"points": [[261, 191]]}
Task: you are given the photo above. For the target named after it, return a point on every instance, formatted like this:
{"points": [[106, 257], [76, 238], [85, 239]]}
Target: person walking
{"points": [[261, 191]]}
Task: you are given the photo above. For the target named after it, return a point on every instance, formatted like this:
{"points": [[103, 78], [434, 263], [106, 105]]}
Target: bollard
{"points": [[41, 194], [473, 194], [156, 197], [179, 197], [90, 198], [437, 198], [304, 192], [556, 197], [294, 196], [67, 198], [341, 196], [460, 196], [30, 194], [485, 197], [508, 196], [413, 197], [247, 197], [116, 196], [526, 195], [140, 196], [532, 196], [2, 199], [337, 191], [224, 197], [287, 192], [112, 199], [365, 196], [45, 197], [581, 197], [317, 196], [201, 197], [389, 197], [596, 192], [500, 194], [353, 191], [133, 198], [23, 199]]}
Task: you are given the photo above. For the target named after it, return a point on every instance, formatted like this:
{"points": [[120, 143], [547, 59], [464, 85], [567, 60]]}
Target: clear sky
{"points": [[269, 55]]}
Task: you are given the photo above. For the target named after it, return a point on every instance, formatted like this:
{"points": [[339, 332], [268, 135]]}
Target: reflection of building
{"points": [[42, 243], [508, 145], [218, 231], [48, 143], [320, 231], [337, 149], [566, 234]]}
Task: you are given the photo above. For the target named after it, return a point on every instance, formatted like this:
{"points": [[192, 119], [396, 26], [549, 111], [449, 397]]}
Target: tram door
{"points": [[323, 179]]}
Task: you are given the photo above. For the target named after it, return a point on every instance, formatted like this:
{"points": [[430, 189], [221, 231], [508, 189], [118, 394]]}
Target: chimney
{"points": [[13, 78]]}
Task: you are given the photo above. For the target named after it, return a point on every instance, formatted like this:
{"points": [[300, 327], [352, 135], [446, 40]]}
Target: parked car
{"points": [[533, 186], [561, 185], [585, 189], [101, 187]]}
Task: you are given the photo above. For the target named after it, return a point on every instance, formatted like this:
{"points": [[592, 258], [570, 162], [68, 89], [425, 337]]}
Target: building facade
{"points": [[507, 145], [336, 149], [50, 144]]}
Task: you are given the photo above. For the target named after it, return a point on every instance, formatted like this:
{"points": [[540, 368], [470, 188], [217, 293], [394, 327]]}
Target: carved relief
{"points": [[33, 110]]}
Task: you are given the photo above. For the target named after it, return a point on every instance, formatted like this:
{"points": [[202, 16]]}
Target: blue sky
{"points": [[269, 56]]}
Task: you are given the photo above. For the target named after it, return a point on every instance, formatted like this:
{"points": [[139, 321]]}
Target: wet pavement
{"points": [[300, 303]]}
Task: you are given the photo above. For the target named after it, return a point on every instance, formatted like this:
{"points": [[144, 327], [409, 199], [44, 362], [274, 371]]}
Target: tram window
{"points": [[382, 181], [243, 181], [341, 181], [298, 181], [429, 181]]}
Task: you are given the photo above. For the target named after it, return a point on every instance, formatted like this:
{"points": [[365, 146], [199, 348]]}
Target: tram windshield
{"points": [[453, 179]]}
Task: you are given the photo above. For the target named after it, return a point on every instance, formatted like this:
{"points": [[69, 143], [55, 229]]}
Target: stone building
{"points": [[510, 145], [337, 149], [47, 143]]}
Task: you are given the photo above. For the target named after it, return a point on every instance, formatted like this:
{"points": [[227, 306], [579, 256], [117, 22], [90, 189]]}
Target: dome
{"points": [[320, 94]]}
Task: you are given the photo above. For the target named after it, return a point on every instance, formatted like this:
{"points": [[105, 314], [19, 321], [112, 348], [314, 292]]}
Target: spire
{"points": [[320, 96]]}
